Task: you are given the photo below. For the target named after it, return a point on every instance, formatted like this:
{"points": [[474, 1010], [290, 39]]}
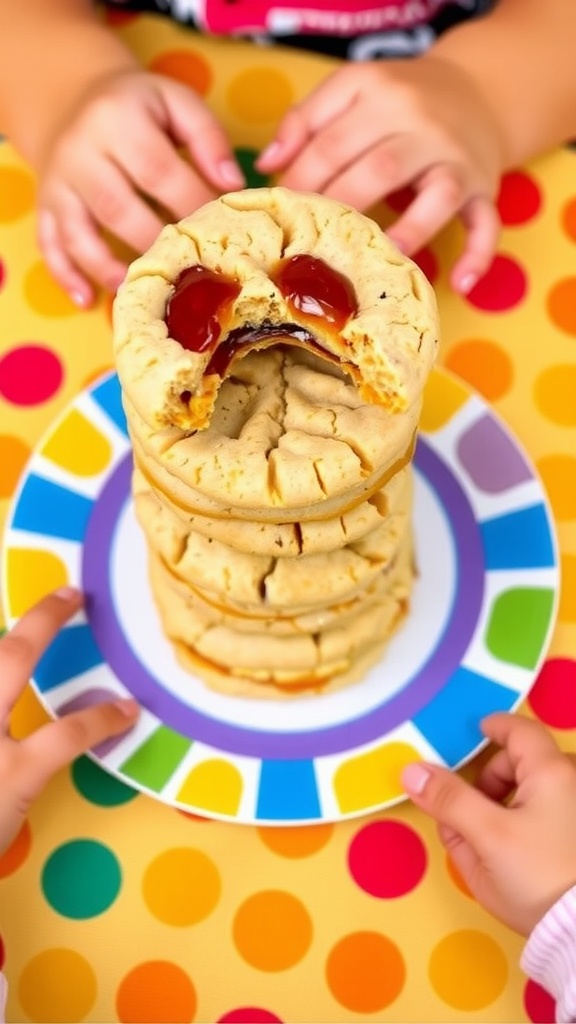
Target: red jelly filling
{"points": [[194, 311], [316, 290], [198, 306]]}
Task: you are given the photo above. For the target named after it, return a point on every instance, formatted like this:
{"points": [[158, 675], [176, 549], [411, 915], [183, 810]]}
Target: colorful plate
{"points": [[482, 615]]}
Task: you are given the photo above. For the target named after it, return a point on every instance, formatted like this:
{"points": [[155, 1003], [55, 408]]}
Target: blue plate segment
{"points": [[107, 395], [450, 723], [288, 791], [45, 507], [72, 652], [518, 540]]}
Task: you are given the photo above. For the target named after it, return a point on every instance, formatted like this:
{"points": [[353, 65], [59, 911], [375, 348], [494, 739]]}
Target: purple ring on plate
{"points": [[195, 724]]}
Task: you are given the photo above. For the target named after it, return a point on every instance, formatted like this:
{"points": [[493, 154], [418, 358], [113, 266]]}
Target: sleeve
{"points": [[549, 956]]}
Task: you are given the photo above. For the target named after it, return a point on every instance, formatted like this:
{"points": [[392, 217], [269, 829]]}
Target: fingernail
{"points": [[67, 593], [231, 174], [271, 153], [467, 283], [79, 299], [127, 705], [415, 777]]}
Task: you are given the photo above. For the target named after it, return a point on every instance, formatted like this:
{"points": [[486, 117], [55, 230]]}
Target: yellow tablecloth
{"points": [[114, 907]]}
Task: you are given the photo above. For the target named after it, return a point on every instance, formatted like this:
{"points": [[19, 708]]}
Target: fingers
{"points": [[452, 802], [497, 779], [527, 743], [190, 123], [114, 203], [55, 745], [325, 105], [59, 263], [73, 247], [481, 220], [21, 648]]}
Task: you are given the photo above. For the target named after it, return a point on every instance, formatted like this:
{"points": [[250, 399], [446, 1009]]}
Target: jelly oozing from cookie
{"points": [[195, 310], [314, 289]]}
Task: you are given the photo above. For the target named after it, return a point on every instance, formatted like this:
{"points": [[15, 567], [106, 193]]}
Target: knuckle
{"points": [[150, 169], [107, 206], [76, 732]]}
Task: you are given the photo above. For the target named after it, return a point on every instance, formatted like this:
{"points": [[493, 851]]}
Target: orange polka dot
{"points": [[185, 66], [16, 193], [554, 393], [558, 473], [365, 972], [468, 970], [562, 305], [155, 992], [57, 984], [484, 364], [567, 608], [457, 877], [272, 930], [14, 455], [181, 886], [569, 219], [17, 852], [296, 842], [258, 95], [44, 294]]}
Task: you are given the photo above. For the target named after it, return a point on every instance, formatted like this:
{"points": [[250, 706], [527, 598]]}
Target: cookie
{"points": [[256, 267]]}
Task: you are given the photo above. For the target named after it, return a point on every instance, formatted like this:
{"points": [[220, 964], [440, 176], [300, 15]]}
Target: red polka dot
{"points": [[428, 263], [30, 374], [400, 200], [539, 1004], [519, 198], [387, 859], [249, 1015], [2, 953], [2, 273], [553, 696], [501, 288]]}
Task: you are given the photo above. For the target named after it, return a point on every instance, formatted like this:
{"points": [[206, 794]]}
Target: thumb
{"points": [[453, 803]]}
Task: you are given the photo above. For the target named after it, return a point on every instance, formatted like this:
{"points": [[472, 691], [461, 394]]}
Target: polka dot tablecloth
{"points": [[115, 907]]}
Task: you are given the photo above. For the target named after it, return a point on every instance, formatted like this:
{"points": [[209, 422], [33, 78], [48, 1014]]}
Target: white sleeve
{"points": [[549, 956]]}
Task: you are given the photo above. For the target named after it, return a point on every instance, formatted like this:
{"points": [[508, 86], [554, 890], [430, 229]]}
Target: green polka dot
{"points": [[81, 879], [98, 786], [518, 625], [246, 158]]}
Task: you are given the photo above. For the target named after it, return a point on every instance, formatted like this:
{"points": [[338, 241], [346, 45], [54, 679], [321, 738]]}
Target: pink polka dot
{"points": [[539, 1004], [387, 859], [30, 374], [249, 1015], [553, 696], [502, 287], [427, 262], [2, 953], [519, 198], [2, 273]]}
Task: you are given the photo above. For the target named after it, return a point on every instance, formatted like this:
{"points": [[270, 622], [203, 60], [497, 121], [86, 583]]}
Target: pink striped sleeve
{"points": [[549, 956]]}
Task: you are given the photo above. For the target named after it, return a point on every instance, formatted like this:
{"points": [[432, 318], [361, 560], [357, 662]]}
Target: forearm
{"points": [[51, 52], [521, 56]]}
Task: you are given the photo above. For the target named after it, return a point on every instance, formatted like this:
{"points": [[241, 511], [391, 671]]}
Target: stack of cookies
{"points": [[272, 350]]}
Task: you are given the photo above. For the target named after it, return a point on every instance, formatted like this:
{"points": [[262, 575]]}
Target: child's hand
{"points": [[376, 127], [114, 158], [517, 859], [27, 765]]}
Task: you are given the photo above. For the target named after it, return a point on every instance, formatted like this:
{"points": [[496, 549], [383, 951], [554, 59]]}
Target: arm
{"points": [[51, 53], [521, 57]]}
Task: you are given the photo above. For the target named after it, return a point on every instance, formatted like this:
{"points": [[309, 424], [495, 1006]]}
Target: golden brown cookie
{"points": [[257, 266]]}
